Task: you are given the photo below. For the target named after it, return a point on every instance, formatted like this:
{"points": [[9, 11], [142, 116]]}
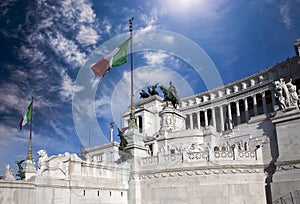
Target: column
{"points": [[213, 115], [206, 118], [191, 121], [255, 105], [111, 134], [229, 116], [273, 99], [221, 118], [246, 110], [263, 94], [238, 114], [137, 122], [198, 119]]}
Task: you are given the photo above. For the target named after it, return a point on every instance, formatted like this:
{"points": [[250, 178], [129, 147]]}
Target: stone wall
{"points": [[202, 186], [70, 181]]}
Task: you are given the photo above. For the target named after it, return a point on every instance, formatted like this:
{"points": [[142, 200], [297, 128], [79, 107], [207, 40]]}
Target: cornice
{"points": [[287, 165], [199, 171]]}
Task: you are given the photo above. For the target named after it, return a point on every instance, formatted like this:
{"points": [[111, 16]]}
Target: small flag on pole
{"points": [[116, 58], [27, 116]]}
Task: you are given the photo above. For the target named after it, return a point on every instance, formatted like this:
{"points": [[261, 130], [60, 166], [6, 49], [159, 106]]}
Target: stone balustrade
{"points": [[149, 160], [246, 154], [186, 157], [224, 155], [197, 156], [171, 158]]}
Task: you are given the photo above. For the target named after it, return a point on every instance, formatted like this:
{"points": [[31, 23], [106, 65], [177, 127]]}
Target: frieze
{"points": [[199, 172], [286, 166]]}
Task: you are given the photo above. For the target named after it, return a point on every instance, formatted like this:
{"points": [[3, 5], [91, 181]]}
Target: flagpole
{"points": [[29, 154], [132, 122]]}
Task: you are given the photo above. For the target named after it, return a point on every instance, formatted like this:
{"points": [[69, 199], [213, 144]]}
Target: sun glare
{"points": [[185, 6]]}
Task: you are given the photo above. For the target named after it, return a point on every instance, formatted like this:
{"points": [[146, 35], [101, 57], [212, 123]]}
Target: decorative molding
{"points": [[204, 171], [288, 165]]}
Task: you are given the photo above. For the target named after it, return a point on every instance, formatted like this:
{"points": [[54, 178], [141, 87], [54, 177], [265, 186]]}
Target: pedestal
{"points": [[288, 137], [135, 144], [286, 176], [172, 119], [136, 147], [29, 169]]}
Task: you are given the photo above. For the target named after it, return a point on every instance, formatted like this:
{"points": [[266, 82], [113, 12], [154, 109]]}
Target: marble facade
{"points": [[233, 144]]}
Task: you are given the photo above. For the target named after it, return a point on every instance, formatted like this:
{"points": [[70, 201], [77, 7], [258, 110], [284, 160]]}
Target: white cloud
{"points": [[78, 10], [151, 18], [102, 107], [13, 144], [4, 5], [155, 58], [12, 98], [159, 58], [87, 14], [106, 24], [12, 134], [68, 49], [33, 55], [285, 14], [87, 35], [68, 89], [75, 29], [169, 39]]}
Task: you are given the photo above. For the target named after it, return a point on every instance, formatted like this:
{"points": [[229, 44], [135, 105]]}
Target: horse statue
{"points": [[170, 95], [152, 89], [143, 94]]}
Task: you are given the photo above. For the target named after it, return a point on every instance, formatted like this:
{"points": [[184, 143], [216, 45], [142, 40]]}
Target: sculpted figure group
{"points": [[286, 94], [170, 94]]}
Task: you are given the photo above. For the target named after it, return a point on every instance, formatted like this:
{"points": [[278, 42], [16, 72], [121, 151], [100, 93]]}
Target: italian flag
{"points": [[27, 116], [116, 58]]}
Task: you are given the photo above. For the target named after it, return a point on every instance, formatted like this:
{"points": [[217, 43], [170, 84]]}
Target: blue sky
{"points": [[46, 45]]}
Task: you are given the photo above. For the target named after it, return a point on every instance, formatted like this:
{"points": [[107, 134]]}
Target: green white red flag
{"points": [[116, 58], [27, 116]]}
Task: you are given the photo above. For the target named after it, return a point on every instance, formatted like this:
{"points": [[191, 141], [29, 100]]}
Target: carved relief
{"points": [[286, 94], [201, 172]]}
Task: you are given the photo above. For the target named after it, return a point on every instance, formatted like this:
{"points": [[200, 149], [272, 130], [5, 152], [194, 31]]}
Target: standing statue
{"points": [[152, 89], [293, 93], [20, 173], [170, 95], [9, 173], [286, 94], [123, 141]]}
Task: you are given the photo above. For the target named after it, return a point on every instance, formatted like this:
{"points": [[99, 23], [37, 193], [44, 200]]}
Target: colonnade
{"points": [[231, 112]]}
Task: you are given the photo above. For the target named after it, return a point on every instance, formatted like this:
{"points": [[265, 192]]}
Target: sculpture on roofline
{"points": [[152, 89], [286, 94], [123, 141], [143, 94], [20, 172], [125, 154], [9, 173], [57, 164]]}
